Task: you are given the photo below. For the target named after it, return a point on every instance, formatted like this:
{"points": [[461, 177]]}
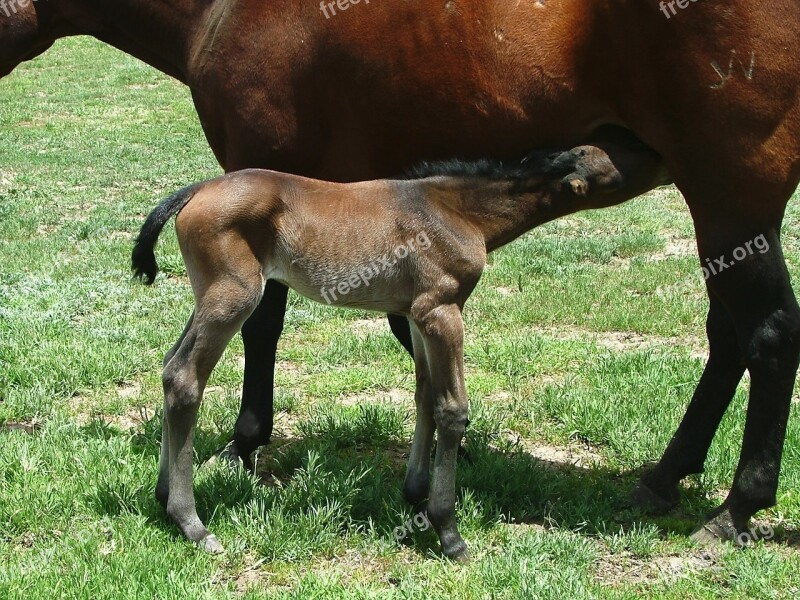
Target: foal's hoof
{"points": [[720, 528], [230, 455], [649, 501], [211, 545]]}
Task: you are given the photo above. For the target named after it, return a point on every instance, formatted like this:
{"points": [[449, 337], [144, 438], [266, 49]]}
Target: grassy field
{"points": [[584, 341]]}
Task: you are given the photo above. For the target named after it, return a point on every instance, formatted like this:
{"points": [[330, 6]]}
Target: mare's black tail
{"points": [[143, 258]]}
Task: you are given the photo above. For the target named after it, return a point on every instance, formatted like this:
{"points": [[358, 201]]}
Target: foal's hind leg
{"points": [[162, 486], [686, 454], [221, 310]]}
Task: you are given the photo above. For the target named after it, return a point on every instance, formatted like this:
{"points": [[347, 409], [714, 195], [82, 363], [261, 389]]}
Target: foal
{"points": [[413, 247]]}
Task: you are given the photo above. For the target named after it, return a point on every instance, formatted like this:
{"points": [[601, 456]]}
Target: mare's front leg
{"points": [[401, 329], [686, 454], [757, 293], [442, 331], [260, 335]]}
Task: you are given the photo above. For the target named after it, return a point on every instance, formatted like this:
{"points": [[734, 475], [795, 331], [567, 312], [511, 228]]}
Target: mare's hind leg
{"points": [[686, 454], [260, 335], [417, 482], [754, 287]]}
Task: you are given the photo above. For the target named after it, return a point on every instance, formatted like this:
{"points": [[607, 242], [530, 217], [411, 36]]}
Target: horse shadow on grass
{"points": [[346, 462]]}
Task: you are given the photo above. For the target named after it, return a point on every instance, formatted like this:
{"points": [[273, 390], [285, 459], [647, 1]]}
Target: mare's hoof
{"points": [[457, 552], [649, 501], [230, 456], [720, 528], [211, 545]]}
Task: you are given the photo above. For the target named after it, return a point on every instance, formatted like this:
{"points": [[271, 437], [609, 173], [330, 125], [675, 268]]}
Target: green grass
{"points": [[584, 341]]}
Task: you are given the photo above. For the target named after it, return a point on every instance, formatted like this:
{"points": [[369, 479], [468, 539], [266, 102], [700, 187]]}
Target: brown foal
{"points": [[414, 247]]}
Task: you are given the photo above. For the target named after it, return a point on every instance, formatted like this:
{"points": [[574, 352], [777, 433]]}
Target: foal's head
{"points": [[602, 171]]}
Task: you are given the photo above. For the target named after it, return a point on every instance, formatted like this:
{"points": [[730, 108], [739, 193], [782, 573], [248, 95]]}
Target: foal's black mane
{"points": [[538, 162]]}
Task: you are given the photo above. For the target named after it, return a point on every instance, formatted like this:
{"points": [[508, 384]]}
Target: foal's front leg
{"points": [[442, 330], [417, 483]]}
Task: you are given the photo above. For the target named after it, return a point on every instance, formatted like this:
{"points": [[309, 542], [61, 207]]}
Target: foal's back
{"points": [[375, 245]]}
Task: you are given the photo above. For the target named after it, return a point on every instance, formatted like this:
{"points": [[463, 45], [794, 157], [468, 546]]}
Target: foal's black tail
{"points": [[143, 258]]}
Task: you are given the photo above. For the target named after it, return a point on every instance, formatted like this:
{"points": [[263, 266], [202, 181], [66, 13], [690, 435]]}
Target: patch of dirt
{"points": [[348, 567], [676, 247], [44, 230], [574, 455], [29, 427], [119, 235], [286, 367], [624, 341], [404, 398], [624, 568], [7, 177], [363, 327], [128, 390], [506, 291], [132, 418]]}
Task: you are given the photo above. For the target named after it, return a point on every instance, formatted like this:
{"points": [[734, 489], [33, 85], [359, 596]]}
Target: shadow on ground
{"points": [[511, 486]]}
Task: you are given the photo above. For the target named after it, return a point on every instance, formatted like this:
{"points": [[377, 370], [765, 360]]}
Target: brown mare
{"points": [[408, 247], [372, 90]]}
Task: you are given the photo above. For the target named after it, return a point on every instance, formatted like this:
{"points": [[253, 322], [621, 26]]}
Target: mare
{"points": [[368, 92], [241, 230]]}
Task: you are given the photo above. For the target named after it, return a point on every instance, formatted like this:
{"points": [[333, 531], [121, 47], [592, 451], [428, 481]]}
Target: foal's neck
{"points": [[502, 210]]}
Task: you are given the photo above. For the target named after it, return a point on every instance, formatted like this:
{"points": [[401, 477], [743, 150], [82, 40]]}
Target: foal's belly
{"points": [[376, 282]]}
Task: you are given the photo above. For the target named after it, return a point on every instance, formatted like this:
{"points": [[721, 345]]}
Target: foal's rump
{"points": [[217, 204], [143, 259]]}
